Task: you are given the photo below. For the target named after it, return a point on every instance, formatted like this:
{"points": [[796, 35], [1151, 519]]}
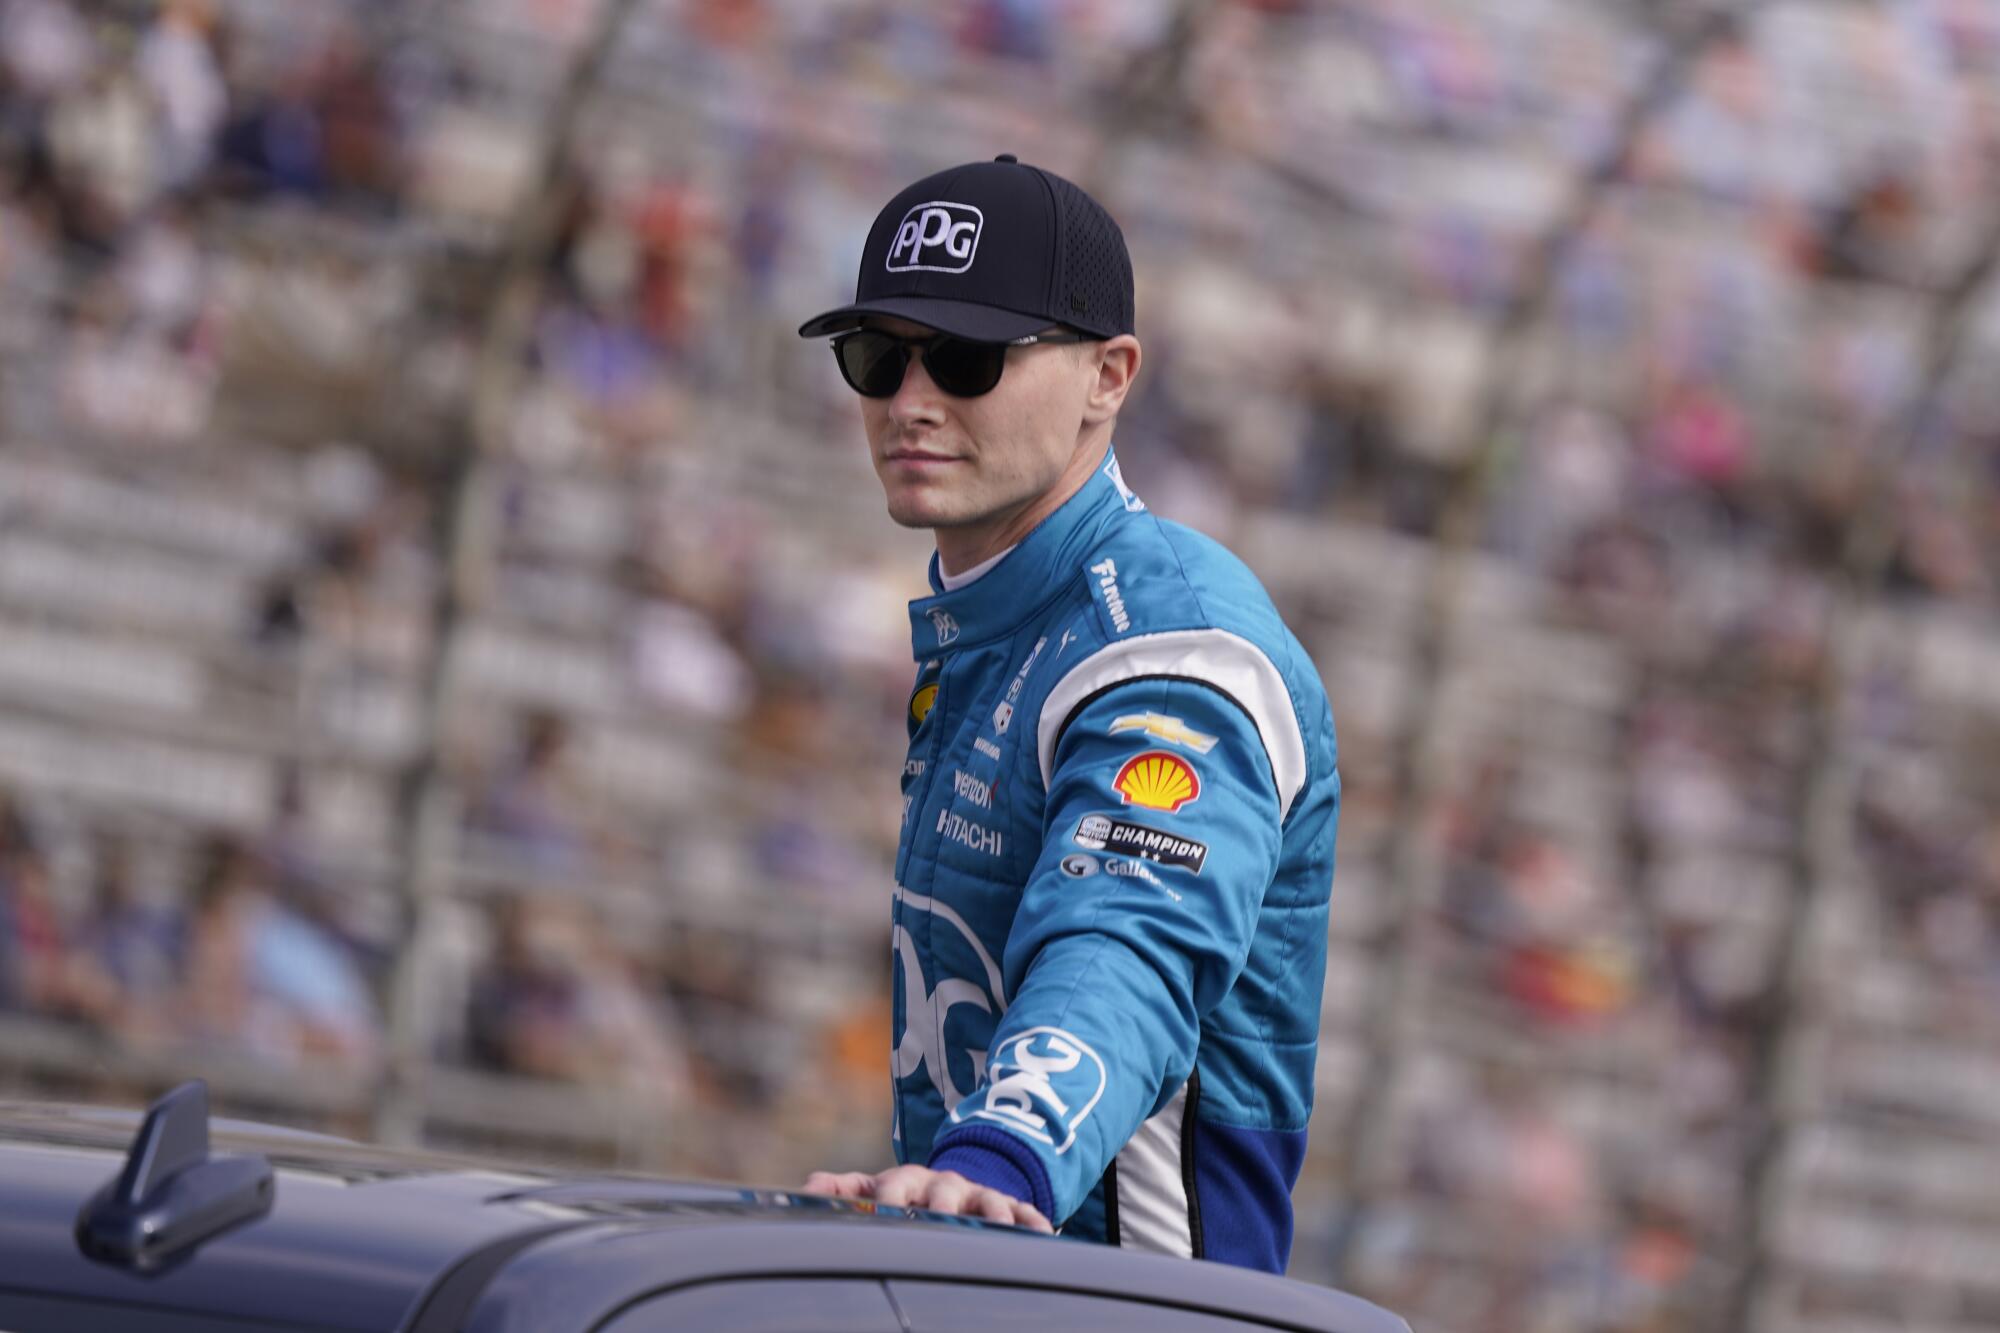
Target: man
{"points": [[1120, 797]]}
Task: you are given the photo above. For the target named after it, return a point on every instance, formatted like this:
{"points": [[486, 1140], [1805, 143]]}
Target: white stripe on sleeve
{"points": [[1152, 1187], [1216, 657]]}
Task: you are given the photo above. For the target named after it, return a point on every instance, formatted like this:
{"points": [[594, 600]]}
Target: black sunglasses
{"points": [[873, 362]]}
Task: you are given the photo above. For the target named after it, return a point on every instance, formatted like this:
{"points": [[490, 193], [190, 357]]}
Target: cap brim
{"points": [[982, 323]]}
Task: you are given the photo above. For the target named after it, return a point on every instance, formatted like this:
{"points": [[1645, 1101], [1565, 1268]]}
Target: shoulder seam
{"points": [[1160, 529], [1165, 538]]}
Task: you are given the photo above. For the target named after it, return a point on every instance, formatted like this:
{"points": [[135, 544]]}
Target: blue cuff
{"points": [[996, 1159]]}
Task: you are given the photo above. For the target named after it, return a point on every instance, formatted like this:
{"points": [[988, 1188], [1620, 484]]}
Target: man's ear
{"points": [[1117, 366]]}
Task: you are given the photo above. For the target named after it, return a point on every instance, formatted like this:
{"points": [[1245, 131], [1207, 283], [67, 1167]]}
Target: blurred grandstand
{"points": [[451, 653]]}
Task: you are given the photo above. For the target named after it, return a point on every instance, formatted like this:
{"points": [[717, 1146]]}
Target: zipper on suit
{"points": [[920, 795]]}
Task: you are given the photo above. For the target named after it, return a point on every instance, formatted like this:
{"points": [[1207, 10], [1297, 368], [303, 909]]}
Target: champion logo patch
{"points": [[936, 237], [1157, 780], [1102, 833]]}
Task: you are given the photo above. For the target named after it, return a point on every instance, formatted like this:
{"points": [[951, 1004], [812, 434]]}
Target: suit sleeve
{"points": [[1160, 837]]}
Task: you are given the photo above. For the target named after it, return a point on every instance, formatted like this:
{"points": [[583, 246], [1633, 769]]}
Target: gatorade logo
{"points": [[937, 237]]}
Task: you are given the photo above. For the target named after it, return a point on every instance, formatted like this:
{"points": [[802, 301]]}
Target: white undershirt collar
{"points": [[953, 582]]}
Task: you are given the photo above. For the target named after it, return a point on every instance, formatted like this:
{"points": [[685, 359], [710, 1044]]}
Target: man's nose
{"points": [[918, 400]]}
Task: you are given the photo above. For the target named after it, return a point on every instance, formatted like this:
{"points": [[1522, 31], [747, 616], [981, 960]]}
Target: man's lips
{"points": [[918, 456]]}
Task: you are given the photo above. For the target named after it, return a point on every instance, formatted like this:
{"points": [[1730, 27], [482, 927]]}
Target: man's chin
{"points": [[918, 510]]}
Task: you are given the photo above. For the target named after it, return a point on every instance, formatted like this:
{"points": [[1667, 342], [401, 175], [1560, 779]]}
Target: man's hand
{"points": [[939, 1191], [841, 1184]]}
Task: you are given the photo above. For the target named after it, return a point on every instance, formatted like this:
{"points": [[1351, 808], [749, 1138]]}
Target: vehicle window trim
{"points": [[888, 1279], [876, 1280], [1247, 1321]]}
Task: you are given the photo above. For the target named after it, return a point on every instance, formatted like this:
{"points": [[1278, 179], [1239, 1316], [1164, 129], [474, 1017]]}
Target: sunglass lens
{"points": [[965, 369], [872, 363]]}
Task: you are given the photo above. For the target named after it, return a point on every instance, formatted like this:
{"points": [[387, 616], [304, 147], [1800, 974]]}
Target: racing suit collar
{"points": [[942, 582], [993, 606]]}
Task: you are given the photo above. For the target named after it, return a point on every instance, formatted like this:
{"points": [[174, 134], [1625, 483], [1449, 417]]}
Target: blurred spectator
{"points": [[1868, 234], [136, 947], [177, 62], [531, 807], [95, 147], [361, 137], [522, 1012], [262, 977], [563, 999], [1498, 1147], [161, 282], [274, 146], [46, 50], [34, 964], [680, 658]]}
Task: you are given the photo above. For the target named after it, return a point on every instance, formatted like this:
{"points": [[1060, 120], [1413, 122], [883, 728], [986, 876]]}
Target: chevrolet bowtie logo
{"points": [[1161, 727]]}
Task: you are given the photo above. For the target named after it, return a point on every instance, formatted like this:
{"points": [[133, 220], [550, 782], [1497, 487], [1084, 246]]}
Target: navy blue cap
{"points": [[992, 251]]}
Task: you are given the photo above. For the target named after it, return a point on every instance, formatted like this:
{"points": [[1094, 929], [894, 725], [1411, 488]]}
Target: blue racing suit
{"points": [[1112, 886]]}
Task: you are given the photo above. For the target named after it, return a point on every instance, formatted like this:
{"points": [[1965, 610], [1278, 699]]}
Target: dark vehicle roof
{"points": [[368, 1238]]}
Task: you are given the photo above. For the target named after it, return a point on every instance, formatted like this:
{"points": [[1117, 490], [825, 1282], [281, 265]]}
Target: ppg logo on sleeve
{"points": [[1044, 1083], [937, 237]]}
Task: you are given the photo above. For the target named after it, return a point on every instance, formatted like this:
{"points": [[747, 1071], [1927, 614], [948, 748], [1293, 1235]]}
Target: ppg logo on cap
{"points": [[937, 237]]}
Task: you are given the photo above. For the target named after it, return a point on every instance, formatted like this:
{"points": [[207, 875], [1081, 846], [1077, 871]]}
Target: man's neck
{"points": [[962, 548]]}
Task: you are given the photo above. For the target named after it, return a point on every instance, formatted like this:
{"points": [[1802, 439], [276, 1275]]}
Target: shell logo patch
{"points": [[922, 702], [1157, 780]]}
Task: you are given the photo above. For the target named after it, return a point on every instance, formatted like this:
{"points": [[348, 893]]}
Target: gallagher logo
{"points": [[1157, 780], [937, 237]]}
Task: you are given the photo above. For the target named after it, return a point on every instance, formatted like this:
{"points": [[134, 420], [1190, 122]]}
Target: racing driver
{"points": [[1120, 795]]}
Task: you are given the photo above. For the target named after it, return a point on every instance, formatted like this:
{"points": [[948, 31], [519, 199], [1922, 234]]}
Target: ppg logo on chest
{"points": [[937, 237]]}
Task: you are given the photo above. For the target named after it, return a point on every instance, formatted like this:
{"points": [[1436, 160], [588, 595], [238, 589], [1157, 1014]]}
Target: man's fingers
{"points": [[902, 1187], [892, 1188], [1029, 1216], [841, 1184], [994, 1206], [949, 1192]]}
